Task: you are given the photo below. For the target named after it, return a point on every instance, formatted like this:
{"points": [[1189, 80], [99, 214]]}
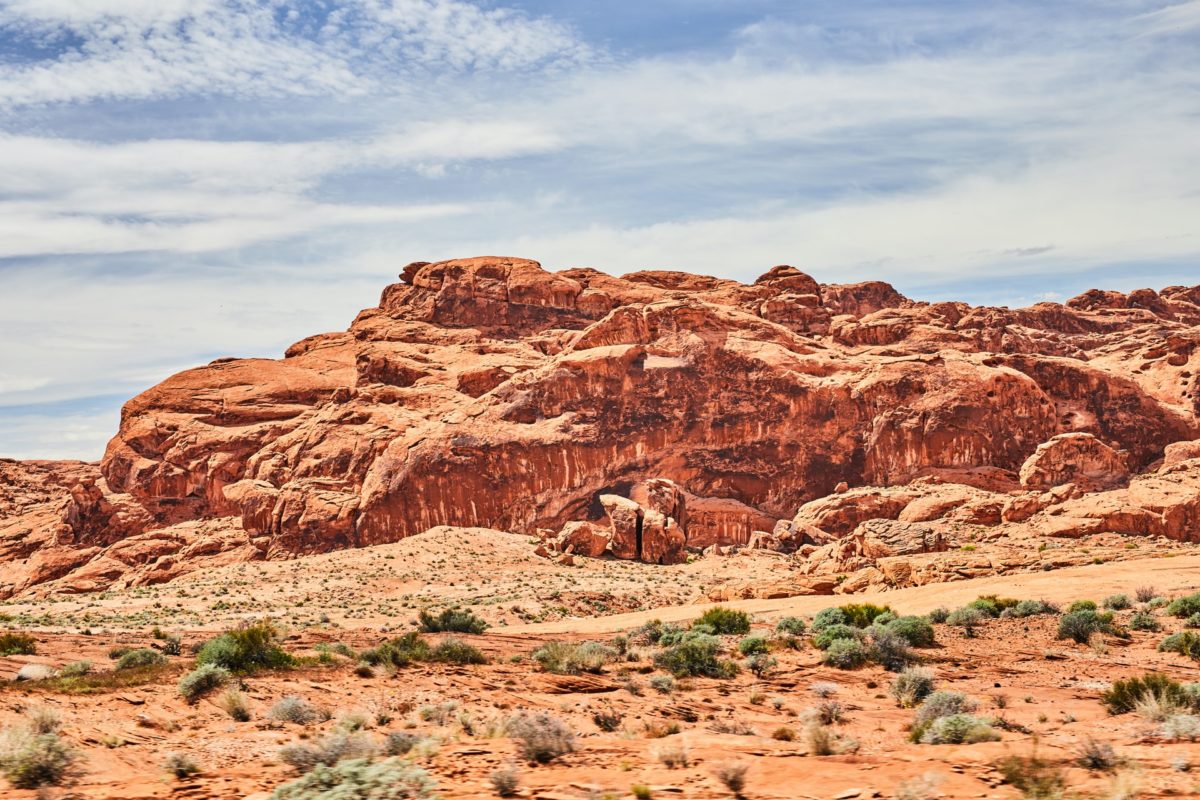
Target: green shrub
{"points": [[991, 605], [1144, 621], [30, 760], [790, 625], [671, 634], [1079, 625], [846, 654], [663, 684], [943, 704], [725, 621], [17, 644], [203, 680], [1124, 695], [292, 709], [456, 651], [245, 649], [912, 686], [1029, 608], [939, 615], [695, 654], [566, 658], [142, 657], [76, 669], [752, 645], [450, 620], [966, 617], [827, 617], [180, 766], [762, 664], [1185, 643], [829, 634], [359, 779], [917, 631], [1193, 621], [541, 737], [959, 729], [328, 750], [860, 615], [1184, 607], [889, 649], [1117, 602], [399, 652], [233, 703], [1081, 605]]}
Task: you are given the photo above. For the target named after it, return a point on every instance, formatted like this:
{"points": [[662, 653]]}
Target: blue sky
{"points": [[187, 179]]}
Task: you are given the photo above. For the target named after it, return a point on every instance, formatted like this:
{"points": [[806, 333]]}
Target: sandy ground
{"points": [[1047, 690]]}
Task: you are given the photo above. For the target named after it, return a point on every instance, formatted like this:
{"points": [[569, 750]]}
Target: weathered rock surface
{"points": [[489, 392]]}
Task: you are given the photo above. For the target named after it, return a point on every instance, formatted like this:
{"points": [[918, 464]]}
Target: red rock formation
{"points": [[489, 392]]}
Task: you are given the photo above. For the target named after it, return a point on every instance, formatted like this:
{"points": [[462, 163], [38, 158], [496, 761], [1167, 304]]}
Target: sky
{"points": [[182, 180]]}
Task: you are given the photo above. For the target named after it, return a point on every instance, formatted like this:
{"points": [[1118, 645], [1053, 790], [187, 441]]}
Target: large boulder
{"points": [[1078, 458]]}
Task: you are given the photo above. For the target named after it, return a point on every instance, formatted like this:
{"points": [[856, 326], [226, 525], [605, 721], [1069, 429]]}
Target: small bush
{"points": [[1185, 643], [76, 669], [1124, 695], [912, 686], [329, 750], [116, 652], [541, 737], [846, 654], [180, 766], [17, 644], [663, 684], [608, 719], [695, 655], [917, 631], [725, 621], [1081, 605], [1029, 608], [450, 620], [829, 634], [564, 658], [1193, 621], [783, 734], [861, 615], [959, 729], [732, 776], [1144, 621], [1144, 594], [293, 709], [827, 617], [245, 649], [43, 719], [1180, 728], [762, 664], [456, 651], [138, 659], [991, 605], [30, 760], [641, 791], [1033, 776], [399, 743], [793, 626], [233, 703], [967, 618], [672, 756], [1081, 624], [752, 645], [1097, 756], [360, 780], [399, 652], [890, 650], [1184, 607], [1117, 602], [202, 680], [942, 704], [939, 615], [505, 782]]}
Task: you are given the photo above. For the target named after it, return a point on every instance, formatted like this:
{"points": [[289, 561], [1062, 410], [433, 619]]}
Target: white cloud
{"points": [[1174, 19]]}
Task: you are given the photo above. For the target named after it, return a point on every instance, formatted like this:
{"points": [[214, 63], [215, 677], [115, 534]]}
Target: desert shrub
{"points": [[456, 651], [752, 645], [1144, 621], [565, 658], [829, 634], [732, 776], [328, 750], [826, 617], [762, 664], [42, 719], [245, 649], [1096, 755], [793, 626], [1080, 624], [860, 615], [76, 669], [917, 631], [959, 729], [942, 704], [450, 620], [30, 760], [846, 654], [783, 734], [939, 615], [967, 617], [1117, 602], [359, 779], [233, 703], [695, 654], [912, 686], [1082, 605], [505, 782], [399, 743], [607, 719], [1184, 607], [116, 652], [991, 605], [1029, 608], [890, 649], [142, 657], [1033, 776], [725, 621], [541, 737], [1144, 594], [1192, 622], [1124, 695], [663, 684], [293, 709], [180, 766], [1185, 643], [17, 644], [399, 652], [1180, 728], [202, 680]]}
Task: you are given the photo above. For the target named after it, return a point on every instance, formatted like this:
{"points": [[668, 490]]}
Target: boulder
{"points": [[1078, 458]]}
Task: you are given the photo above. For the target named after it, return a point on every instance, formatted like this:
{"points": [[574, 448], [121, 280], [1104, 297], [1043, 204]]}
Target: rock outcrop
{"points": [[639, 417]]}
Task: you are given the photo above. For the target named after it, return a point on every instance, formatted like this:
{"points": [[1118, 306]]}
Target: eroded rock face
{"points": [[490, 392]]}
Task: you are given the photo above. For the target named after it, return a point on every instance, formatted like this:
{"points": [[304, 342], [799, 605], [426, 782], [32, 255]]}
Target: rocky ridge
{"points": [[870, 437]]}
